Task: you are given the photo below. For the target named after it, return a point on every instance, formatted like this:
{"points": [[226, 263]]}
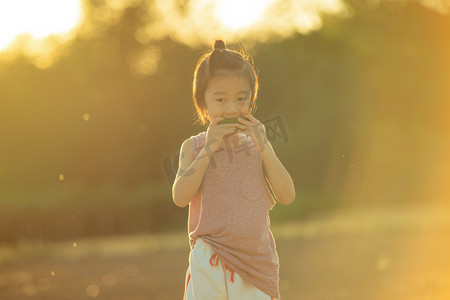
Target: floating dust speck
{"points": [[52, 273], [352, 165], [86, 117], [61, 177], [92, 290], [75, 244]]}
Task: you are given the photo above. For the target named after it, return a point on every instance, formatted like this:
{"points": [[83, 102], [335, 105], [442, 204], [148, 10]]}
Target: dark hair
{"points": [[220, 59]]}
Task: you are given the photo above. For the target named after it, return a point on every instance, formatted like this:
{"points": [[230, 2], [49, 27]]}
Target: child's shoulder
{"points": [[194, 142], [198, 139], [201, 134]]}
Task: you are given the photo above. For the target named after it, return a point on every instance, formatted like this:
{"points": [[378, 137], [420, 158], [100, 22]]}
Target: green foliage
{"points": [[364, 102]]}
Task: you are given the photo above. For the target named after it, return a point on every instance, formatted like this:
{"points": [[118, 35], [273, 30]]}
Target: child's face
{"points": [[228, 95]]}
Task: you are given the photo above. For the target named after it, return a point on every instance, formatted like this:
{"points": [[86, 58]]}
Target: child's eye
{"points": [[242, 99], [220, 100]]}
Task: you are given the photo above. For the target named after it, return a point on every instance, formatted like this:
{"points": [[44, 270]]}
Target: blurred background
{"points": [[95, 102]]}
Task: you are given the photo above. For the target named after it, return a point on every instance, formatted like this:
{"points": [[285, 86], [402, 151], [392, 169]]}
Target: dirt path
{"points": [[379, 262]]}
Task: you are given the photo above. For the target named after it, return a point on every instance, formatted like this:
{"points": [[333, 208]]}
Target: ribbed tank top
{"points": [[231, 214]]}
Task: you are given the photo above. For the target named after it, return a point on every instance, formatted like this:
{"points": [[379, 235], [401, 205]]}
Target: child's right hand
{"points": [[216, 133]]}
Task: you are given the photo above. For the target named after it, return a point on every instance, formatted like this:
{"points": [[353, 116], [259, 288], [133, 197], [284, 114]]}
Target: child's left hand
{"points": [[255, 129]]}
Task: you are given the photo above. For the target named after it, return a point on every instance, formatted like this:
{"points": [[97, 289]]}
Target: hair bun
{"points": [[219, 45]]}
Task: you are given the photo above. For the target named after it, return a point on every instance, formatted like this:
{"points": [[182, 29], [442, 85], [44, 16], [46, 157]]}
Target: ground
{"points": [[376, 254]]}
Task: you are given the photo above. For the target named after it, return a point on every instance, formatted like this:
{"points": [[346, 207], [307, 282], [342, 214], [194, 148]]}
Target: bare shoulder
{"points": [[186, 154], [187, 149]]}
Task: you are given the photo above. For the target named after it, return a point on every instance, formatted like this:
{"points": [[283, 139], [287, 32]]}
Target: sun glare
{"points": [[38, 18], [238, 14]]}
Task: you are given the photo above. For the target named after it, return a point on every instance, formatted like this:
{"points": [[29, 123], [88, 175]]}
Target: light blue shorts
{"points": [[208, 277]]}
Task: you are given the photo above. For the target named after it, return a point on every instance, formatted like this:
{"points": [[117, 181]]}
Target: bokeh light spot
{"points": [[93, 290], [30, 289], [145, 62], [382, 264], [109, 279]]}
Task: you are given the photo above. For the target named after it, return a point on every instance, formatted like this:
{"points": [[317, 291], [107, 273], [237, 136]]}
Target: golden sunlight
{"points": [[201, 21], [37, 18], [237, 14]]}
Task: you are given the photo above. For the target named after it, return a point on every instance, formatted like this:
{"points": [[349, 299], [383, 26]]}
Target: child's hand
{"points": [[255, 129], [216, 133]]}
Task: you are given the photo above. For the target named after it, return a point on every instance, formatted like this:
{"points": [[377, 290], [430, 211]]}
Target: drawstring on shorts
{"points": [[213, 261], [216, 262]]}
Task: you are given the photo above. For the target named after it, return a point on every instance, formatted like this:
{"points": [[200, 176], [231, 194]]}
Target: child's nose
{"points": [[232, 108]]}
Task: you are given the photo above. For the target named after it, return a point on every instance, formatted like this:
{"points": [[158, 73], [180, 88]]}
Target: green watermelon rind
{"points": [[230, 121]]}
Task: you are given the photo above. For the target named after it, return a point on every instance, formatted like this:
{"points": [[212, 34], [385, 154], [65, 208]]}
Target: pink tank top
{"points": [[231, 214]]}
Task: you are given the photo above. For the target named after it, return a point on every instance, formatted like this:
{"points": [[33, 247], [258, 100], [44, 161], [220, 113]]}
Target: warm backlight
{"points": [[238, 14], [38, 18]]}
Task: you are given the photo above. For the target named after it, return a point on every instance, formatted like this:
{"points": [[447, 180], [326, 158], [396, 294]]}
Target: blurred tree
{"points": [[364, 101]]}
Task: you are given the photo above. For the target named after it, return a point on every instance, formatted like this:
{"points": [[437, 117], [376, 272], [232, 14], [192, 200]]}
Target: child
{"points": [[221, 176]]}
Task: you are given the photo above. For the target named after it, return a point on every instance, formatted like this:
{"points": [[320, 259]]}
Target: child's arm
{"points": [[280, 181], [277, 175], [190, 174], [192, 169]]}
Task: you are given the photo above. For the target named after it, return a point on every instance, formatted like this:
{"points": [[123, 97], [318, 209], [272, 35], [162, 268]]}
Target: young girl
{"points": [[221, 176]]}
